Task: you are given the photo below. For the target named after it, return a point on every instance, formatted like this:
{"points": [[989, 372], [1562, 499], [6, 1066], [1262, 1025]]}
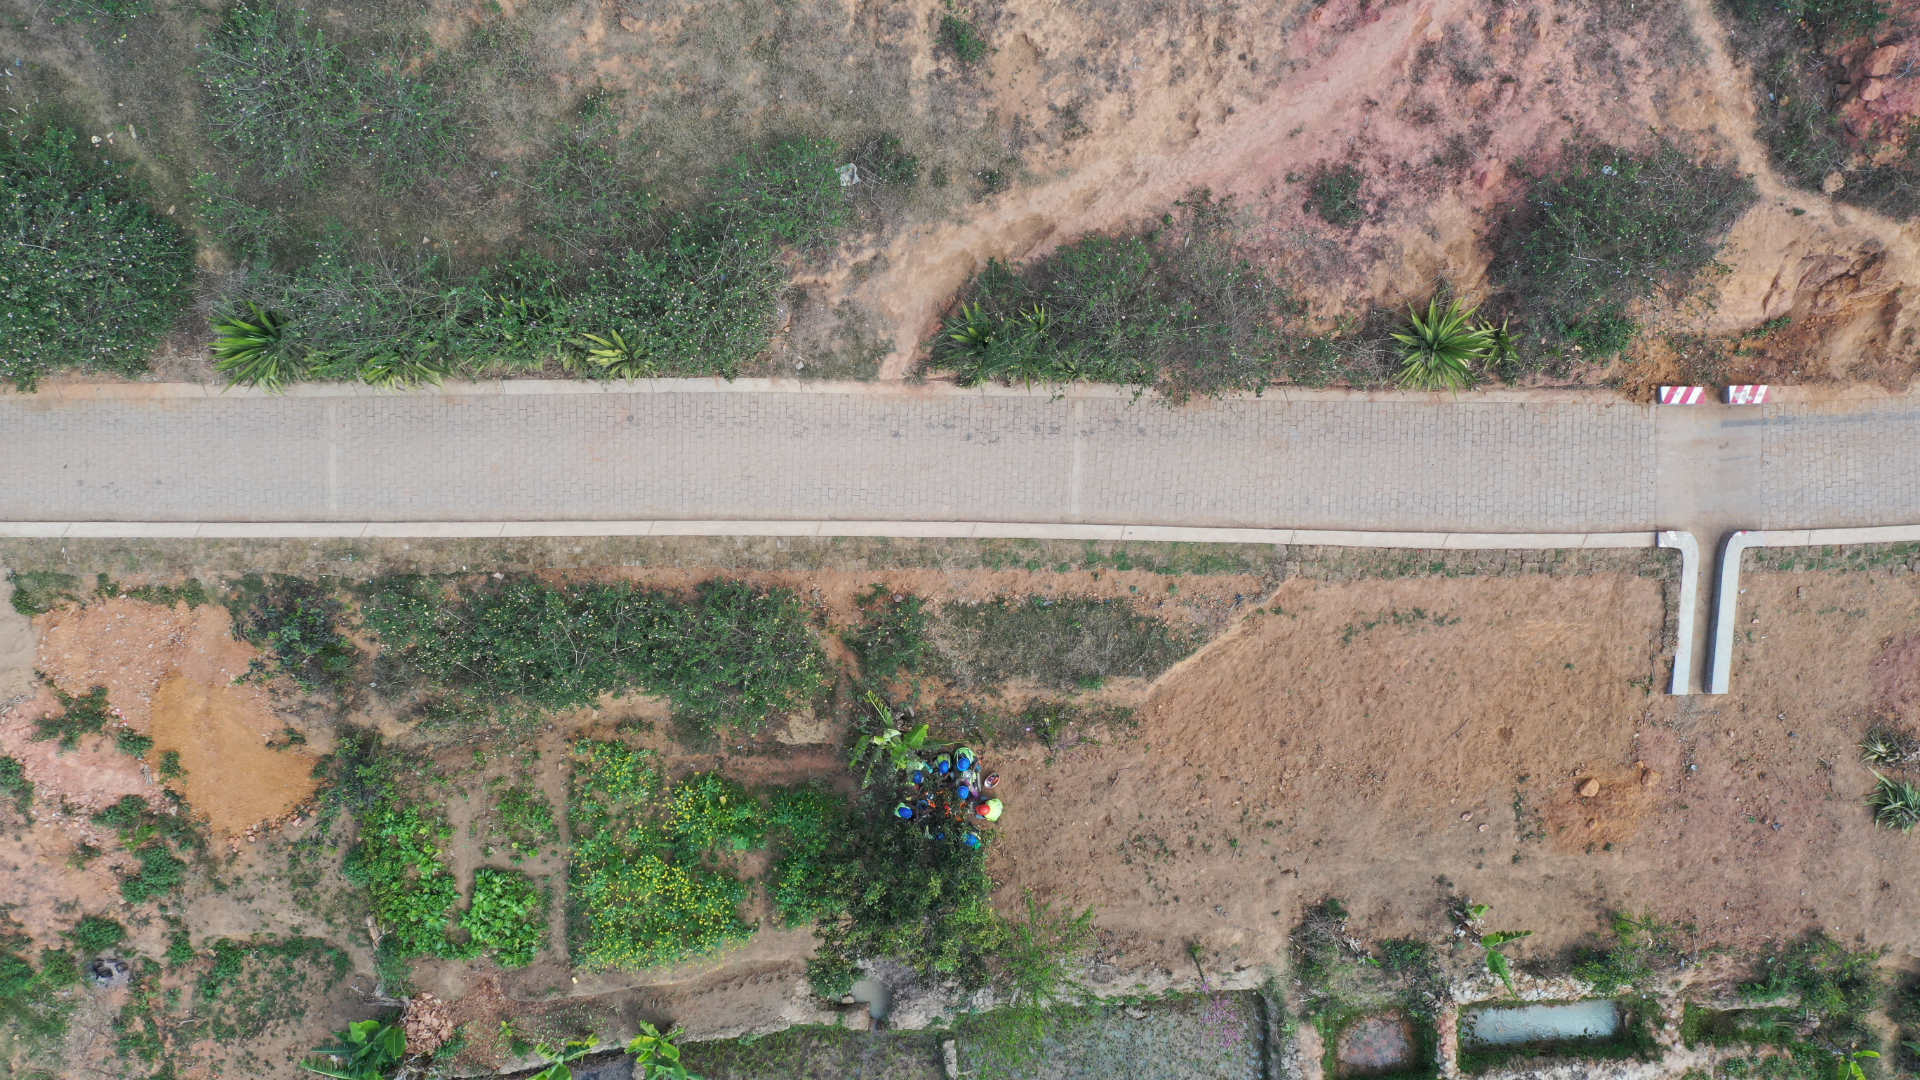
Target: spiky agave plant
{"points": [[1886, 746], [1439, 350], [1896, 803], [256, 350], [619, 358]]}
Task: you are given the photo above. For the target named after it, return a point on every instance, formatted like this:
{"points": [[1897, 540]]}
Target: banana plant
{"points": [[903, 748], [365, 1051], [1850, 1064], [655, 1057], [560, 1059], [1497, 960]]}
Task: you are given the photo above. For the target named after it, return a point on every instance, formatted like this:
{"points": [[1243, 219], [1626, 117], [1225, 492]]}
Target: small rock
{"points": [[1468, 816], [1591, 822], [1649, 778], [1589, 788], [1800, 593], [1880, 61], [1833, 183], [1483, 826]]}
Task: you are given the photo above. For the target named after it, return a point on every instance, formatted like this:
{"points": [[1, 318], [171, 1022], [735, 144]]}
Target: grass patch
{"points": [[893, 638], [36, 1001], [84, 715], [1610, 228], [961, 39], [1178, 310], [527, 818], [154, 839], [253, 984], [731, 657], [508, 916], [296, 107], [1333, 192], [1644, 949], [36, 592], [1809, 1005], [1341, 981], [90, 276], [694, 291], [15, 785], [1059, 642], [1791, 46]]}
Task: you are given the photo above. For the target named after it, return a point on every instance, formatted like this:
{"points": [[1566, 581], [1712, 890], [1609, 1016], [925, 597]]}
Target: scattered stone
{"points": [[1468, 816], [1833, 183], [1483, 826], [1589, 788]]}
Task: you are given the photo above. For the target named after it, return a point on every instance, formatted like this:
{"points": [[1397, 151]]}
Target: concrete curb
{"points": [[1689, 549], [156, 391], [1727, 599], [963, 530]]}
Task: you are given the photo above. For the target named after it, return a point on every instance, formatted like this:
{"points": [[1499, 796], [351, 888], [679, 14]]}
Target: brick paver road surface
{"points": [[703, 453]]}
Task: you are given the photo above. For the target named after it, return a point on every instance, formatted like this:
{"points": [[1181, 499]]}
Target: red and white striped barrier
{"points": [[1682, 395], [1747, 395]]}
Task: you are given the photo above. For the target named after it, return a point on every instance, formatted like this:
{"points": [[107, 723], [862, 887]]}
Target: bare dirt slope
{"points": [[1366, 746]]}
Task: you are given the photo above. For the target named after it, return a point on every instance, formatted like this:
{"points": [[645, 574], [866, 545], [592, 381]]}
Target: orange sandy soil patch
{"points": [[170, 672], [1329, 748]]}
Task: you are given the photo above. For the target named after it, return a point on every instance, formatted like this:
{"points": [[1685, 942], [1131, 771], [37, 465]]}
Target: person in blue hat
{"points": [[965, 759], [904, 811], [971, 840], [943, 765]]}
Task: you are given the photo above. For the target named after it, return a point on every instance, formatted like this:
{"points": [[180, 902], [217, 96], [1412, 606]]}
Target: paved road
{"points": [[690, 450]]}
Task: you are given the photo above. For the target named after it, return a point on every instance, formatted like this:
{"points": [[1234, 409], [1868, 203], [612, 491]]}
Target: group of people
{"points": [[949, 791]]}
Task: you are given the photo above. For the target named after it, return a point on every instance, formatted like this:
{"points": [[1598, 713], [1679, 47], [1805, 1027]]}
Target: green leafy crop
{"points": [[400, 860], [508, 916]]}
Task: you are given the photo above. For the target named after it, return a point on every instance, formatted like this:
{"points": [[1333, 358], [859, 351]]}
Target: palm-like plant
{"points": [[971, 330], [397, 369], [257, 350], [1896, 803], [1887, 746], [618, 358], [1438, 351], [365, 1051]]}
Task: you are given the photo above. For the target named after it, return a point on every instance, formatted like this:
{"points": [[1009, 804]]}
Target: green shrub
{"points": [[294, 106], [893, 638], [638, 897], [37, 592], [508, 917], [131, 742], [1334, 194], [180, 949], [95, 934], [84, 715], [1056, 641], [31, 1002], [1895, 802], [731, 657], [962, 39], [1611, 228], [802, 823], [90, 276], [1177, 309], [15, 785], [169, 767], [295, 623], [400, 860], [160, 872]]}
